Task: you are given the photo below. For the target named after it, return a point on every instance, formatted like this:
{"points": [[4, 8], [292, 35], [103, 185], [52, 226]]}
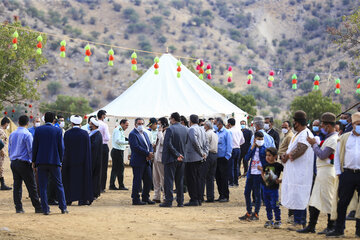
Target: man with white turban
{"points": [[77, 169]]}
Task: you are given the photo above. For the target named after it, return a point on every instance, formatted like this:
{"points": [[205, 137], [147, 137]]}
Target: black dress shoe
{"points": [[20, 211], [326, 231], [46, 213], [335, 234], [149, 202], [192, 204], [139, 203], [53, 202], [308, 229], [164, 204], [210, 200], [113, 188], [224, 200], [180, 205], [157, 201], [38, 210], [64, 211], [123, 188], [200, 202]]}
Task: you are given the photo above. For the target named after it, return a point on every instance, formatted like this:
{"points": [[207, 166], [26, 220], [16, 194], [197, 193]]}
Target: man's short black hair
{"points": [[288, 122], [273, 151], [259, 134], [201, 120], [184, 119], [210, 119], [49, 117], [232, 121], [219, 120], [123, 121], [347, 114], [59, 116], [175, 116], [4, 121], [271, 119], [138, 119], [101, 113], [164, 122], [194, 118], [23, 120]]}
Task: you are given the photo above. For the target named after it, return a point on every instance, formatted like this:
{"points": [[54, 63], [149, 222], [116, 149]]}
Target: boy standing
{"points": [[253, 182], [271, 177]]}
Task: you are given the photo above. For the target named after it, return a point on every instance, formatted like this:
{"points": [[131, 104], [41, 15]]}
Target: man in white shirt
{"points": [[234, 162], [104, 130], [347, 167]]}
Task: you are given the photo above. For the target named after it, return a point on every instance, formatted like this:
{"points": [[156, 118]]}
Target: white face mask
{"points": [[8, 126], [62, 124], [259, 143], [140, 128], [284, 130], [266, 126], [37, 124]]}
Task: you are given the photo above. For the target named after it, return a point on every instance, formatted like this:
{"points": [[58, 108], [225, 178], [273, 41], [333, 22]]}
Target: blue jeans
{"points": [[233, 166], [253, 183], [300, 216], [271, 200]]}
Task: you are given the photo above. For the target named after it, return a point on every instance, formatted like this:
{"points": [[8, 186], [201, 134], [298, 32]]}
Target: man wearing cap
{"points": [[347, 167], [104, 130], [96, 154], [298, 172], [117, 155], [76, 169], [324, 185]]}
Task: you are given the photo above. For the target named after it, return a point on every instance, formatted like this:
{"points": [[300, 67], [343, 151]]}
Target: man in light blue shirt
{"points": [[223, 156], [259, 126], [37, 123], [119, 143], [20, 153]]}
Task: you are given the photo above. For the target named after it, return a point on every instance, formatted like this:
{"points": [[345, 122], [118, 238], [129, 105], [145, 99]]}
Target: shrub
{"points": [[235, 35], [92, 20], [162, 39], [131, 14], [136, 28], [311, 24], [157, 20], [178, 4], [343, 65], [196, 21], [117, 7], [53, 87]]}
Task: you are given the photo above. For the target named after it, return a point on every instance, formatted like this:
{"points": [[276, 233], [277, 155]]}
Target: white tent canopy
{"points": [[160, 95]]}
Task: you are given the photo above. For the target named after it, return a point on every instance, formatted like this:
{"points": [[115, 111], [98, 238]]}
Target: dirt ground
{"points": [[113, 217]]}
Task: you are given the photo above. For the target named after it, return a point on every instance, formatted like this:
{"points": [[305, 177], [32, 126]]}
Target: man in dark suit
{"points": [[172, 158], [268, 126], [244, 148], [141, 153], [47, 156]]}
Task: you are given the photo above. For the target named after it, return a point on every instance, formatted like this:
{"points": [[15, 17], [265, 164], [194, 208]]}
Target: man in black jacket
{"points": [[172, 158], [268, 126], [244, 148]]}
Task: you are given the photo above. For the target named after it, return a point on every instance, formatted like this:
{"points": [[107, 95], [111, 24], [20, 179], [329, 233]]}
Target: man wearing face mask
{"points": [[61, 122], [298, 172], [324, 185], [268, 126], [316, 130], [37, 123], [288, 134], [3, 137], [141, 153], [347, 168], [223, 156], [259, 126], [345, 120], [244, 148]]}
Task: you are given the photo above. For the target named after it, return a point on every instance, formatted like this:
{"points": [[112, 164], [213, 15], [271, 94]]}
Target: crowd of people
{"points": [[316, 166]]}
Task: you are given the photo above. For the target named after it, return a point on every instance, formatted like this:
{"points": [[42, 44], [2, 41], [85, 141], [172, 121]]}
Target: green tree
{"points": [[67, 106], [314, 104], [15, 84], [347, 37], [245, 102]]}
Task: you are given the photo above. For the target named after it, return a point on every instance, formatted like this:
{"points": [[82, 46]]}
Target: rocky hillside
{"points": [[288, 36]]}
